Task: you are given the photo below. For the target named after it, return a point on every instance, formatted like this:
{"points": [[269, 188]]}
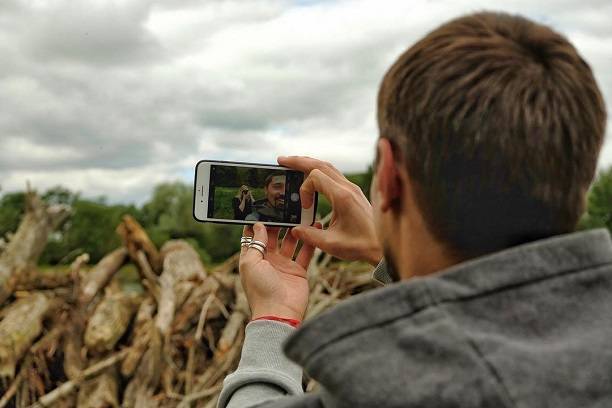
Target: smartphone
{"points": [[246, 193]]}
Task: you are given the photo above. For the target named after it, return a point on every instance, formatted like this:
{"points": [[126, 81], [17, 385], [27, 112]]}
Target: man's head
{"points": [[274, 187], [490, 129]]}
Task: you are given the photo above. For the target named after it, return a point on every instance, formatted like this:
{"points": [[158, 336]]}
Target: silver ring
{"points": [[246, 239], [259, 248], [262, 244]]}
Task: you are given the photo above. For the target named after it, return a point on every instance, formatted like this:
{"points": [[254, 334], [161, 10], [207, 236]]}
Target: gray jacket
{"points": [[530, 326]]}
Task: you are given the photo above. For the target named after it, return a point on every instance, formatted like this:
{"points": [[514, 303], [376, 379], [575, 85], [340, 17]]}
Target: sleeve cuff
{"points": [[263, 361]]}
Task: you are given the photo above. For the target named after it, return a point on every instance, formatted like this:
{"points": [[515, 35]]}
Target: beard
{"points": [[279, 202], [391, 264]]}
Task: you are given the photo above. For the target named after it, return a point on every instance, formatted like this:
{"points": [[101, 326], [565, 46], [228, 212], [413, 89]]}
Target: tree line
{"points": [[168, 215]]}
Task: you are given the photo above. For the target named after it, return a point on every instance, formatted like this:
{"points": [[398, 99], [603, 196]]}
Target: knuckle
{"points": [[344, 196], [356, 189]]}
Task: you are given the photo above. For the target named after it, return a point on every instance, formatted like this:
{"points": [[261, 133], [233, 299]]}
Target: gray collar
{"points": [[518, 265]]}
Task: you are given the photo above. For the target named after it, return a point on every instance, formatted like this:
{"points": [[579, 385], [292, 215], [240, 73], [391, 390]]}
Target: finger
{"points": [[321, 182], [307, 250], [247, 231], [312, 236], [273, 234], [288, 245], [308, 164], [260, 233]]}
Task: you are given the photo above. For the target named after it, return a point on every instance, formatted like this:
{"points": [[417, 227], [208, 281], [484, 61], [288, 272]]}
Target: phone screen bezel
{"points": [[206, 188]]}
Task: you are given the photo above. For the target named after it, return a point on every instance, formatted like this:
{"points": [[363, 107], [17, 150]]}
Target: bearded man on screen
{"points": [[271, 207]]}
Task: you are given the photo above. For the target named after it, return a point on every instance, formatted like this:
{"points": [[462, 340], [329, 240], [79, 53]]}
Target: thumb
{"points": [[312, 236]]}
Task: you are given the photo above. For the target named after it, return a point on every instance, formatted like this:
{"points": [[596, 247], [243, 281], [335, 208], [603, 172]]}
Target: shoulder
{"points": [[254, 216]]}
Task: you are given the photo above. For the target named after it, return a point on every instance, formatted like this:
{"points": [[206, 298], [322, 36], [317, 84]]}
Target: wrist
{"points": [[282, 312], [292, 322]]}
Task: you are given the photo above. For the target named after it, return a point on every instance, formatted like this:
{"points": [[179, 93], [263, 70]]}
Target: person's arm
{"points": [[280, 291], [242, 202], [275, 285], [252, 216], [264, 373]]}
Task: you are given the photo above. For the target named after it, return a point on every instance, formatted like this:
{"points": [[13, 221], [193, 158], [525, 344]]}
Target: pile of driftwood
{"points": [[79, 339]]}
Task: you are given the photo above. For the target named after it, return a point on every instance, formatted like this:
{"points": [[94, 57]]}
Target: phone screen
{"points": [[254, 194]]}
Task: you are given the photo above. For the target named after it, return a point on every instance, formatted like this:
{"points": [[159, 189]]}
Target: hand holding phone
{"points": [[351, 234]]}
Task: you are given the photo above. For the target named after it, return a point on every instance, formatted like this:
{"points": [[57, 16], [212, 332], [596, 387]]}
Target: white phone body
{"points": [[202, 199]]}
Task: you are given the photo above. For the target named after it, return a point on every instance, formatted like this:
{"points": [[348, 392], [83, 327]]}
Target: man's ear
{"points": [[387, 176]]}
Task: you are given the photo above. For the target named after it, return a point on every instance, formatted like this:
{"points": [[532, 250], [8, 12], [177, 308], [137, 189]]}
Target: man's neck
{"points": [[418, 253]]}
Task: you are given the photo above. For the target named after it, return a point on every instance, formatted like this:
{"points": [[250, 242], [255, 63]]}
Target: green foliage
{"points": [[167, 215], [232, 176], [363, 180], [599, 203], [91, 229], [12, 207], [60, 195]]}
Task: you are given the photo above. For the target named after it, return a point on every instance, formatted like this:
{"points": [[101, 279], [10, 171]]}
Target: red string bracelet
{"points": [[292, 322]]}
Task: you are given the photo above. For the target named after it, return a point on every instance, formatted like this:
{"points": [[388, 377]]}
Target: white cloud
{"points": [[110, 97]]}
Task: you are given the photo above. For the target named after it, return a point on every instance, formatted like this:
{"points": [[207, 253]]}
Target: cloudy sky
{"points": [[111, 97]]}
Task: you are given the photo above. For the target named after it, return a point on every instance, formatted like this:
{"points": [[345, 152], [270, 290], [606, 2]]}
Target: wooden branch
{"points": [[109, 321], [135, 239], [29, 241], [147, 375], [187, 314], [196, 342], [101, 274], [70, 386], [101, 390], [229, 266], [182, 268], [188, 399], [12, 389], [18, 330], [149, 279], [74, 361], [141, 337], [222, 364], [235, 322]]}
